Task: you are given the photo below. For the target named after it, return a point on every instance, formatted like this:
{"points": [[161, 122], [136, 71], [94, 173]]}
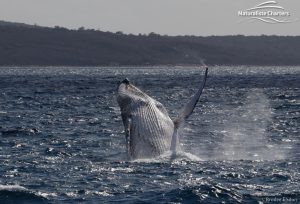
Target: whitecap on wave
{"points": [[12, 188]]}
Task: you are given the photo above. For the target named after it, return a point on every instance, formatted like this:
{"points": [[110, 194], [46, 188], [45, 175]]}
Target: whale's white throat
{"points": [[148, 128]]}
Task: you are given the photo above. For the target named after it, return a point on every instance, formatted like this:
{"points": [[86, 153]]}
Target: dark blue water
{"points": [[62, 139]]}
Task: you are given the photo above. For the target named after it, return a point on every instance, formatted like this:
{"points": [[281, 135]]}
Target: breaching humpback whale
{"points": [[149, 130]]}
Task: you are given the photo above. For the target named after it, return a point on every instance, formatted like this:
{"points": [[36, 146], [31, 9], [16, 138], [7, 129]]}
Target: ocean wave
{"points": [[18, 131], [19, 194]]}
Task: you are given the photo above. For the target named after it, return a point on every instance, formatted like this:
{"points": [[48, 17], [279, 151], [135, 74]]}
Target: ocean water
{"points": [[62, 138]]}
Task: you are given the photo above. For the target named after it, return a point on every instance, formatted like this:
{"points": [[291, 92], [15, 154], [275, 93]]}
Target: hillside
{"points": [[22, 44]]}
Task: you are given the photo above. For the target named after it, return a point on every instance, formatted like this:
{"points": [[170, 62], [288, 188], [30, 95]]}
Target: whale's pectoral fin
{"points": [[189, 107], [174, 141], [127, 126], [186, 112]]}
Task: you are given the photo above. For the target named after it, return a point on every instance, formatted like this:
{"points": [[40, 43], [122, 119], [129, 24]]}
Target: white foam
{"points": [[170, 156], [46, 195], [13, 188]]}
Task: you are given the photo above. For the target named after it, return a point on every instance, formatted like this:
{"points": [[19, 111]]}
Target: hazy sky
{"points": [[173, 17]]}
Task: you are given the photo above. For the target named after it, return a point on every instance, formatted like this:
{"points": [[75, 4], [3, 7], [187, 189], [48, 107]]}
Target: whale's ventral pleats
{"points": [[148, 128]]}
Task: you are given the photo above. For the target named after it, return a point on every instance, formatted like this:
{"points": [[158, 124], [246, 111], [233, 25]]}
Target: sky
{"points": [[166, 17]]}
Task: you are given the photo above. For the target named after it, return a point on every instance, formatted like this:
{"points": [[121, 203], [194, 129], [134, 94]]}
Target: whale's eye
{"points": [[158, 105], [142, 102], [161, 108]]}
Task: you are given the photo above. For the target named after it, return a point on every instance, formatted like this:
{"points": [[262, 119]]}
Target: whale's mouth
{"points": [[129, 96], [127, 92], [125, 81]]}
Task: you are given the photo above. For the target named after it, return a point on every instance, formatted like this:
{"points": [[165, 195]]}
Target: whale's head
{"points": [[146, 121], [130, 96]]}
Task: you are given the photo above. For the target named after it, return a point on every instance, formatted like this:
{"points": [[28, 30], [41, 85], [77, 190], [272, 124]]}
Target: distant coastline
{"points": [[32, 45]]}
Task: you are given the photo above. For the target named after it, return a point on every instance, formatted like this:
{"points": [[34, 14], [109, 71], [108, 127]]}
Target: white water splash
{"points": [[171, 156], [245, 132]]}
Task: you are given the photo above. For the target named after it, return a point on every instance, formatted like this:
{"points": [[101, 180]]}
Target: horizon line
{"points": [[82, 28]]}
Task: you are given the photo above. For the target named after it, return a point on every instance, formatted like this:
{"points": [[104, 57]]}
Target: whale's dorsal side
{"points": [[186, 111]]}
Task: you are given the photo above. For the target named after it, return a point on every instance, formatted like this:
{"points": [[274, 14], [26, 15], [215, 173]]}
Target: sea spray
{"points": [[245, 132]]}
